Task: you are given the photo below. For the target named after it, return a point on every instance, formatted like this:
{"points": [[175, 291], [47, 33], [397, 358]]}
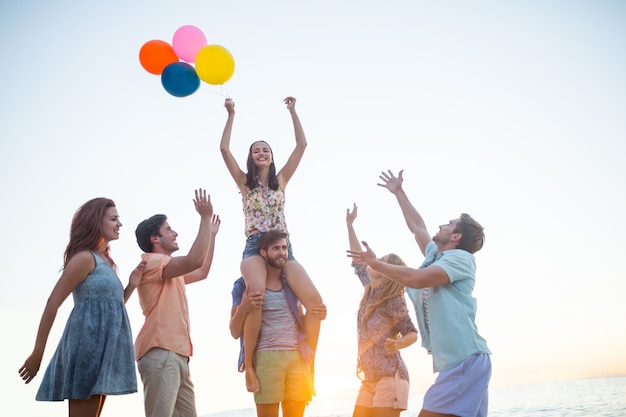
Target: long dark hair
{"points": [[86, 230], [251, 175]]}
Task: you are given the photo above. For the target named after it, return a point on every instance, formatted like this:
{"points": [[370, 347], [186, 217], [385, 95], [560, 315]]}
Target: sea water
{"points": [[597, 397]]}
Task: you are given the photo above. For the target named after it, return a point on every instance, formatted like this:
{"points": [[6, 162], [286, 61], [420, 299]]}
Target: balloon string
{"points": [[220, 93]]}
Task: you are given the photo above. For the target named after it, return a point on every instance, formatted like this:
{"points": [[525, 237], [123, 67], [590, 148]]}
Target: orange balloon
{"points": [[155, 55]]}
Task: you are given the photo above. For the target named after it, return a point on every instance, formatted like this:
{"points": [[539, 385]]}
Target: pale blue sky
{"points": [[511, 111]]}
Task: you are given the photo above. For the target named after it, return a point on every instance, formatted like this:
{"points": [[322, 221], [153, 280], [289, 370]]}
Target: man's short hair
{"points": [[148, 228], [472, 234], [271, 236]]}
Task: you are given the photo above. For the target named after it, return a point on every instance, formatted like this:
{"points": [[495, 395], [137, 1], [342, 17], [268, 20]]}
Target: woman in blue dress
{"points": [[94, 357]]}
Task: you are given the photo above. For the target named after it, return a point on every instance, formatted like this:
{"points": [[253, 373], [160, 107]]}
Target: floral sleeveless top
{"points": [[264, 209]]}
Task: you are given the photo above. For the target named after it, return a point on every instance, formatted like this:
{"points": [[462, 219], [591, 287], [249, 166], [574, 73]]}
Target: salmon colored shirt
{"points": [[164, 305]]}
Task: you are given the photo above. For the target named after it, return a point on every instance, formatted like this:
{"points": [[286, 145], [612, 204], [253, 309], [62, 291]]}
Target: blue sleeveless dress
{"points": [[95, 354]]}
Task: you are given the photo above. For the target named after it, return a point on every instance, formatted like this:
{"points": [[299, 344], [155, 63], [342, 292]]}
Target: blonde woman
{"points": [[383, 328]]}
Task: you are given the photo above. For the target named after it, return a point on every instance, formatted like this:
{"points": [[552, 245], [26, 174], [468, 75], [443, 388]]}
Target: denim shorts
{"points": [[252, 247]]}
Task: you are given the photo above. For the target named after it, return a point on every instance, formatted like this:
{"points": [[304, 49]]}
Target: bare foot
{"points": [[252, 382]]}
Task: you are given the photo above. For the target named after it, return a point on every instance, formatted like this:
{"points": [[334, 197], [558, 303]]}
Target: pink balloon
{"points": [[187, 41]]}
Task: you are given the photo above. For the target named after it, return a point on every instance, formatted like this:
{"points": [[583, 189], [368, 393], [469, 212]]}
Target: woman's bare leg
{"points": [[303, 288], [386, 412], [254, 272], [85, 408], [361, 411]]}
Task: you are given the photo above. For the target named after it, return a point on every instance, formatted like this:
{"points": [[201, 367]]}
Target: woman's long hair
{"points": [[251, 175], [387, 290], [86, 230]]}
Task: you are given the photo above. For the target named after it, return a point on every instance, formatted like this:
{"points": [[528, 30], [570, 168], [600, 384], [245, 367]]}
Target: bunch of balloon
{"points": [[214, 64]]}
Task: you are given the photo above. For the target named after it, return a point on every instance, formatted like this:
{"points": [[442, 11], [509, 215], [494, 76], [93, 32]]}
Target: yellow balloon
{"points": [[214, 64]]}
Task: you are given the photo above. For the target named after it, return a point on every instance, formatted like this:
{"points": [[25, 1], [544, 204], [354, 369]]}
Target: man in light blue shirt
{"points": [[441, 291]]}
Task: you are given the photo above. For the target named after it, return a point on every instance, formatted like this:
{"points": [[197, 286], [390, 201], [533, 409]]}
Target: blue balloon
{"points": [[180, 79]]}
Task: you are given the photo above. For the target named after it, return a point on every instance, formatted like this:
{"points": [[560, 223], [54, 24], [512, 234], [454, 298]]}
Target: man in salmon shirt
{"points": [[163, 346]]}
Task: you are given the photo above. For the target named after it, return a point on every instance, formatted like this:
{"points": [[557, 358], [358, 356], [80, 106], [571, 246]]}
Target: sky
{"points": [[510, 111]]}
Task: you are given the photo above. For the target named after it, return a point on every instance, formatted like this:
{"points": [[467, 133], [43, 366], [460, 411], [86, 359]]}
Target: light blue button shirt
{"points": [[451, 335]]}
